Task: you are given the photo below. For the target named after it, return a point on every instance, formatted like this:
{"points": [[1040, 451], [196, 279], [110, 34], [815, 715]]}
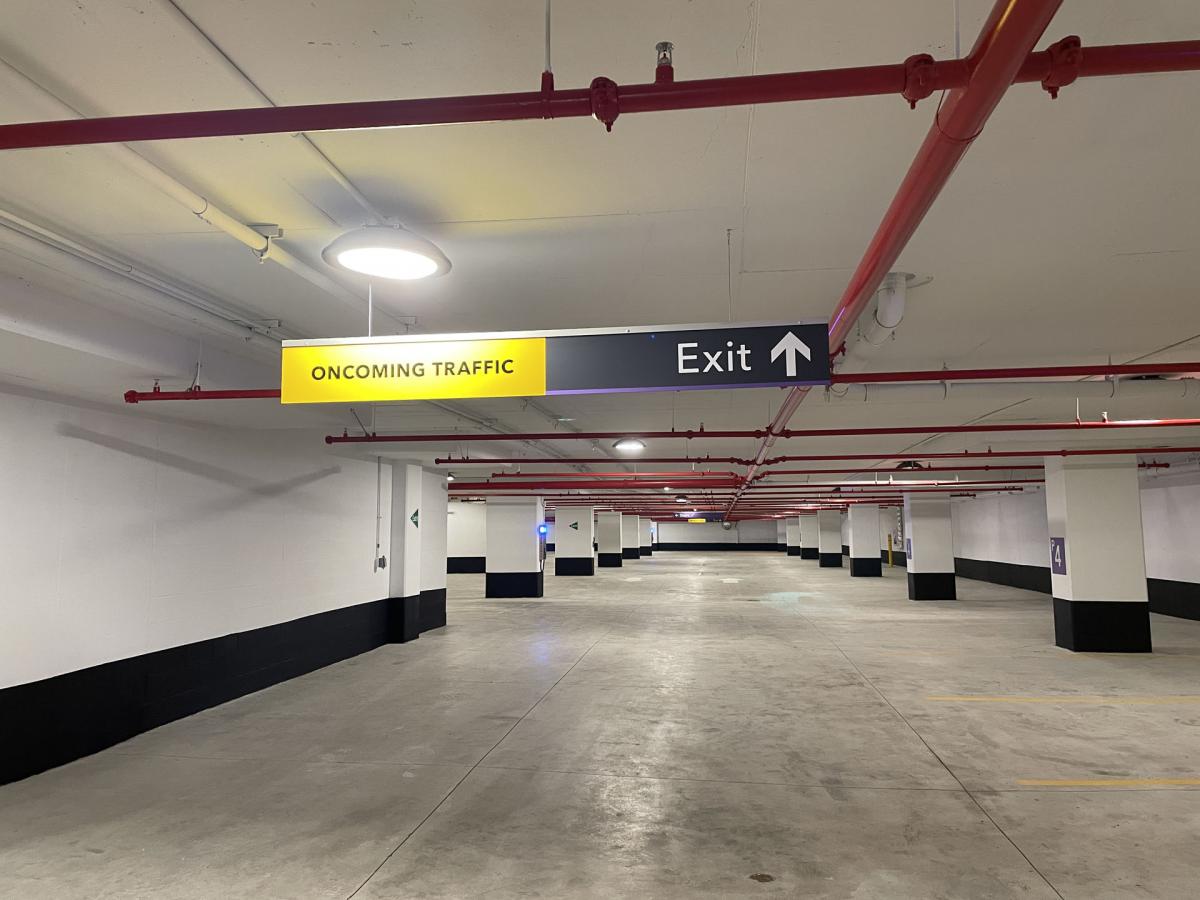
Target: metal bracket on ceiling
{"points": [[918, 78], [1066, 56]]}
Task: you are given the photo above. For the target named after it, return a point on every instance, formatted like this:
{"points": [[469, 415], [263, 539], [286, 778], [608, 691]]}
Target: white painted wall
{"points": [[781, 531], [862, 525], [466, 529], [513, 543], [1009, 528], [810, 535], [1171, 523], [404, 562], [121, 535], [434, 522], [792, 531], [751, 531]]}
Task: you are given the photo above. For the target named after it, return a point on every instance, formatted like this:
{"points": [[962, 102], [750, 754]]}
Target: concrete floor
{"points": [[736, 724]]}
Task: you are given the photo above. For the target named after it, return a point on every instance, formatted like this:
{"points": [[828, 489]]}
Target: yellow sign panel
{"points": [[433, 370], [698, 521]]}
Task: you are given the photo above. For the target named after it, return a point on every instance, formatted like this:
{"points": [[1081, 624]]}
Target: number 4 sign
{"points": [[1058, 556]]}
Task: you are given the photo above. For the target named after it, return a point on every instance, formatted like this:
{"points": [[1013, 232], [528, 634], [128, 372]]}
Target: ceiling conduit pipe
{"points": [[201, 207], [1013, 390], [1008, 36], [877, 328], [985, 454]]}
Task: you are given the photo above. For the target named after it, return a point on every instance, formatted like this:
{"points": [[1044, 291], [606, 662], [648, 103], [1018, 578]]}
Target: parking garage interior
{"points": [[555, 449]]}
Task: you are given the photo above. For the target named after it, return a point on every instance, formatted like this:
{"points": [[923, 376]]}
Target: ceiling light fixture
{"points": [[629, 445], [386, 251], [449, 476], [682, 498]]}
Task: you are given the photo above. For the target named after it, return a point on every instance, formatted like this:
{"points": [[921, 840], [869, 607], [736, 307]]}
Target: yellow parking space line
{"points": [[1108, 782], [1117, 699]]}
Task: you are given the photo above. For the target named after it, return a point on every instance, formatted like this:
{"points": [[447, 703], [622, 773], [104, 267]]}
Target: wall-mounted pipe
{"points": [[915, 79]]}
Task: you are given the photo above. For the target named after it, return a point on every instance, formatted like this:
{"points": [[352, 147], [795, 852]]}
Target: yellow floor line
{"points": [[1072, 698], [1107, 782]]}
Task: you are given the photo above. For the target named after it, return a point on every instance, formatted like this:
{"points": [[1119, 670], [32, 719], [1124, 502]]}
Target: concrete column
{"points": [[608, 539], [404, 562], [929, 548], [829, 538], [792, 535], [646, 536], [466, 537], [781, 542], [810, 539], [864, 540], [515, 550], [432, 523], [1097, 554], [631, 541], [573, 553]]}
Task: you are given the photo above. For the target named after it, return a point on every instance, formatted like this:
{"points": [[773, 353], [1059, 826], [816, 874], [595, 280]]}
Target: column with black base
{"points": [[514, 547], [929, 548], [431, 528], [466, 537], [645, 536], [864, 540], [829, 538], [631, 540], [574, 536], [608, 540], [1097, 554], [791, 532], [781, 535], [810, 537], [404, 560]]}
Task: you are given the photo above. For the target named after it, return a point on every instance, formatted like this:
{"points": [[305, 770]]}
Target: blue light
{"points": [[542, 529]]}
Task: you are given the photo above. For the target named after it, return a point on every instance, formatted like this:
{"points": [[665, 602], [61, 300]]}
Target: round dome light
{"points": [[384, 251], [629, 445]]}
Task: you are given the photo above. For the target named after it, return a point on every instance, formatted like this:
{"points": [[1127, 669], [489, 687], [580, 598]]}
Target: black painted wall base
{"points": [[898, 557], [810, 553], [931, 586], [631, 552], [568, 565], [646, 551], [433, 609], [56, 720], [1029, 578], [866, 566], [550, 546], [460, 565], [830, 560], [513, 584], [793, 551], [609, 560], [403, 619], [1174, 598], [1102, 626], [722, 546], [845, 549]]}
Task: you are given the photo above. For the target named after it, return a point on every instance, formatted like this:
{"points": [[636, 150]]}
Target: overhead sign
{"points": [[534, 364]]}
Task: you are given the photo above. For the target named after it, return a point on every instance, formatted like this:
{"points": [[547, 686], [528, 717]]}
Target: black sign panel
{"points": [[698, 358]]}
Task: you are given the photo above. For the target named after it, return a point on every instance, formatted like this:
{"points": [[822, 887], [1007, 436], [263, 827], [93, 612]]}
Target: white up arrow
{"points": [[791, 345]]}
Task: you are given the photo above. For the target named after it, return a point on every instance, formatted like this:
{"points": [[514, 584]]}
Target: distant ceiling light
{"points": [[666, 487], [449, 476], [630, 445], [384, 251], [682, 498]]}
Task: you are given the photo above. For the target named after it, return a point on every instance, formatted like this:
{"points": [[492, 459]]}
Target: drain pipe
{"points": [[876, 329]]}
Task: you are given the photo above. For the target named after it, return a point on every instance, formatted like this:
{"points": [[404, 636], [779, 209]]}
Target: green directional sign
{"points": [[574, 525], [415, 517]]}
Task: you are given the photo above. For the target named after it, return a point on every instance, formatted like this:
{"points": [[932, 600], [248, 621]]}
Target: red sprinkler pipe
{"points": [[755, 433], [983, 454], [197, 394], [915, 79], [591, 460], [1009, 372]]}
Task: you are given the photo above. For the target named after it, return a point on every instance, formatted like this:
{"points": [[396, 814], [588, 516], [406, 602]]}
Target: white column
{"points": [[608, 539], [573, 554], [829, 538], [791, 528], [431, 530], [631, 541], [515, 550], [646, 536], [404, 562], [810, 538], [929, 547], [1097, 554], [781, 535], [466, 537], [864, 540]]}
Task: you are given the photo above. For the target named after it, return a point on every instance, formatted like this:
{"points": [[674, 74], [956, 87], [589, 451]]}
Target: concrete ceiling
{"points": [[1068, 234]]}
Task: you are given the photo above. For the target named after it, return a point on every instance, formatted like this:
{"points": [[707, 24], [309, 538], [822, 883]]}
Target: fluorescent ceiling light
{"points": [[383, 251], [629, 445], [682, 498], [449, 476]]}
